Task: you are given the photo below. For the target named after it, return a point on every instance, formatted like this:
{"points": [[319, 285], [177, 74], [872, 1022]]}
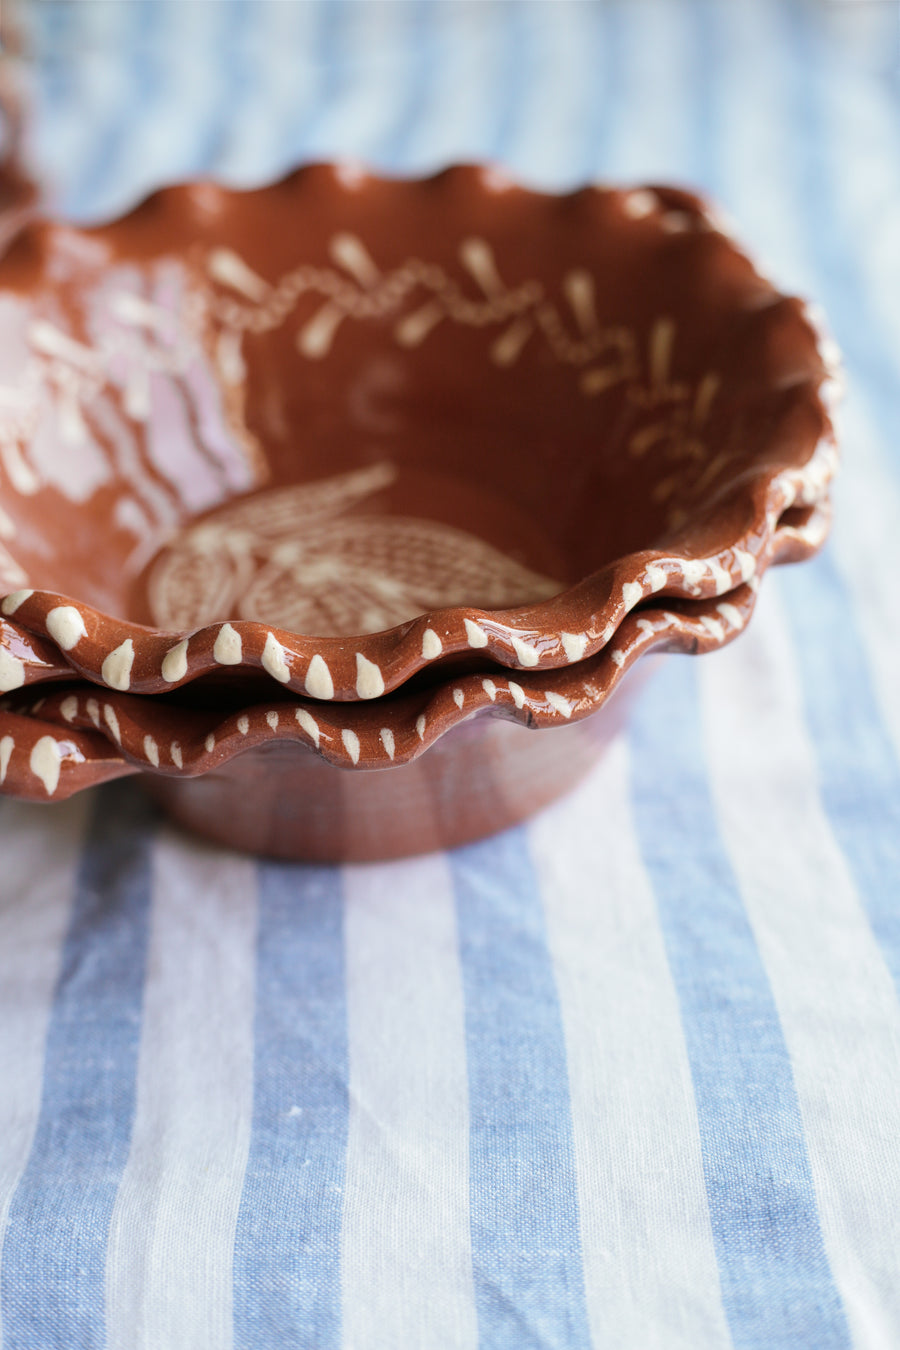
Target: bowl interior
{"points": [[338, 402]]}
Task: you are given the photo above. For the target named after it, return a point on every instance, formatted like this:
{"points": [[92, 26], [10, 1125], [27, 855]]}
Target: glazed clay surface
{"points": [[309, 494], [445, 415]]}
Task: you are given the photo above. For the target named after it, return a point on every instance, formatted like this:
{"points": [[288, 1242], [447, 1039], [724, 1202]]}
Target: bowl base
{"points": [[281, 801]]}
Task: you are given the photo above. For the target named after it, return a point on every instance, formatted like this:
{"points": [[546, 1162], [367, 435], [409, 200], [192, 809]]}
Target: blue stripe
{"points": [[831, 246], [777, 1288], [510, 84], [859, 775], [287, 1246], [526, 1251], [54, 1253]]}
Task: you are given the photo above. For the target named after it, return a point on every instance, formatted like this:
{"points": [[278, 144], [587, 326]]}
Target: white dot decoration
{"points": [[210, 743], [693, 570], [475, 634], [7, 745], [309, 724], [721, 577], [527, 655], [228, 648], [351, 744], [746, 562], [656, 577], [731, 614], [713, 627], [243, 724], [459, 697], [92, 707], [518, 694], [273, 662], [44, 763], [69, 708], [489, 688], [631, 594], [574, 645], [420, 726], [12, 602], [618, 657], [431, 644], [272, 719], [558, 703], [175, 752], [174, 663], [351, 253], [112, 721], [386, 736], [319, 683], [227, 267], [116, 668], [151, 750], [831, 353], [369, 680], [66, 626], [640, 203], [12, 671]]}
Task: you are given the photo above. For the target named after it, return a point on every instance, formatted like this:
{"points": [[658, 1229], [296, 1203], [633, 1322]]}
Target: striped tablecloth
{"points": [[628, 1076]]}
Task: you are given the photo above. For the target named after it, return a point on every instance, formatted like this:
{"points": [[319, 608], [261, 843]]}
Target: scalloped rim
{"points": [[161, 738], [575, 625]]}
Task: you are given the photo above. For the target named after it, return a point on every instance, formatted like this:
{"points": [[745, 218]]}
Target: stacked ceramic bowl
{"points": [[349, 474]]}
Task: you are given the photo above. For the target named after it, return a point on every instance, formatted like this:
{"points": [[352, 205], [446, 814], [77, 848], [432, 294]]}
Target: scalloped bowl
{"points": [[346, 439], [235, 774]]}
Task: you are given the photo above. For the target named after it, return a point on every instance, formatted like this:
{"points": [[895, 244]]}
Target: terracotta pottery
{"points": [[347, 461], [273, 778]]}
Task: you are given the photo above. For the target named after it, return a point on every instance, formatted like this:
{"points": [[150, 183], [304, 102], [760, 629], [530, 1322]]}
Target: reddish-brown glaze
{"points": [[281, 801], [374, 469], [324, 408]]}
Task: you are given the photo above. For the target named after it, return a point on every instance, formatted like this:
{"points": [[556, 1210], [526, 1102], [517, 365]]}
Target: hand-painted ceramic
{"points": [[346, 462], [273, 778], [337, 430]]}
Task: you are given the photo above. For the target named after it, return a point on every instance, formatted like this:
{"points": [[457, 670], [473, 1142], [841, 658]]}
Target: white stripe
{"points": [[836, 1001], [650, 1271], [37, 885], [406, 1247], [867, 510], [169, 1259], [459, 113], [286, 46], [361, 118]]}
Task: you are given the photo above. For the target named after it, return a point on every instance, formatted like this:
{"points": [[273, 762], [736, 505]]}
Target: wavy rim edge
{"points": [[142, 660], [87, 738]]}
